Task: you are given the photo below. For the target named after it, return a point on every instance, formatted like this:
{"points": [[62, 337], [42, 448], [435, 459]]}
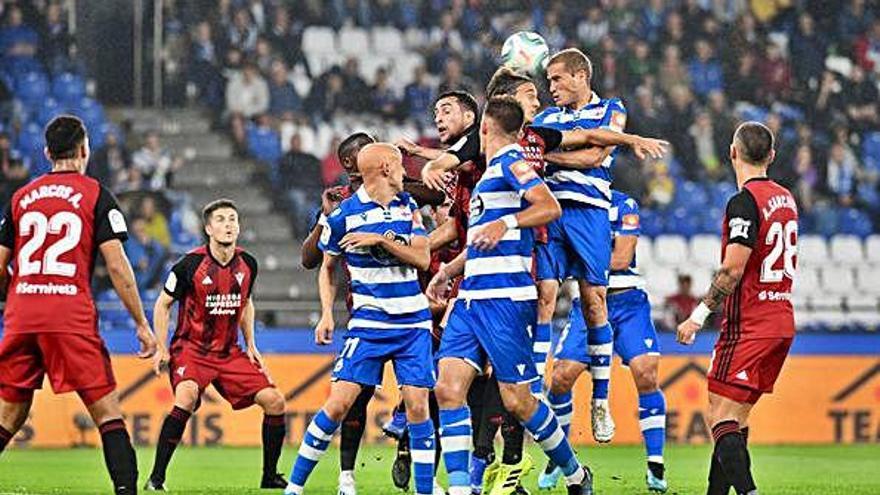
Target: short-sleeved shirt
{"points": [[587, 186], [54, 227], [473, 164], [624, 217], [212, 297], [385, 291], [505, 270]]}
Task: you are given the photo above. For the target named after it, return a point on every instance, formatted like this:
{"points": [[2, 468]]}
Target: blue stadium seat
{"points": [[710, 220], [652, 222], [48, 110], [68, 87], [31, 140], [264, 144], [691, 195], [683, 222], [91, 113], [31, 87], [854, 222], [720, 193]]}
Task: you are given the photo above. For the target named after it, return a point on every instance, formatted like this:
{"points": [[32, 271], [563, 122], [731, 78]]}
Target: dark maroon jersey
{"points": [[212, 297], [54, 227]]}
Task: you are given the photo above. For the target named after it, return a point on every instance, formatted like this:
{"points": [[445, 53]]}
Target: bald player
{"points": [[379, 233]]}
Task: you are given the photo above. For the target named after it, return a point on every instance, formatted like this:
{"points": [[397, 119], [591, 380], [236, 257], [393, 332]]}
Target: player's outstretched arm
{"points": [[443, 234], [624, 251], [736, 256], [423, 194], [437, 172], [583, 158], [413, 149], [327, 292], [643, 147], [437, 287], [161, 317], [124, 282]]}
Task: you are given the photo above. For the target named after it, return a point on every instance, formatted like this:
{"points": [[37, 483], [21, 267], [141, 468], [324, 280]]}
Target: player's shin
{"points": [[546, 431], [5, 438], [652, 422], [274, 431], [314, 445], [119, 456], [563, 407], [455, 439], [733, 457], [169, 437], [352, 430], [600, 341], [422, 448]]}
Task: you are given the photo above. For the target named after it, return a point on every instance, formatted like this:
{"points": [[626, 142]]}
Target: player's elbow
{"points": [[552, 209], [619, 263], [309, 260], [423, 262]]}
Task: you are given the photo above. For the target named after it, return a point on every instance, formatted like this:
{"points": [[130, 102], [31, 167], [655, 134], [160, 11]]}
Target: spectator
{"points": [[680, 305], [706, 150], [661, 188], [453, 78], [15, 173], [301, 179], [553, 32], [155, 163], [651, 22], [146, 255], [445, 37], [638, 65], [242, 35], [722, 122], [672, 72], [807, 177], [705, 71], [383, 100], [418, 95], [248, 94], [679, 116], [808, 51], [110, 163], [54, 34], [204, 66], [327, 96], [853, 20], [860, 99], [775, 74], [593, 27], [646, 115], [842, 171], [155, 223], [286, 40], [263, 56], [16, 38], [283, 97], [675, 34], [356, 92]]}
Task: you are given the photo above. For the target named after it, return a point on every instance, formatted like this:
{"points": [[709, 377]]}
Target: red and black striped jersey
{"points": [[54, 227], [212, 298], [764, 217]]}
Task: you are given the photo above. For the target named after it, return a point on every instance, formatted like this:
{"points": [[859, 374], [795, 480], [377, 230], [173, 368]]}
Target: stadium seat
{"points": [[47, 110], [855, 222], [872, 248], [806, 282], [652, 222], [691, 195], [670, 250], [264, 144], [353, 41], [661, 281], [387, 40], [32, 87], [31, 140], [645, 252], [683, 222], [68, 88], [847, 250], [319, 39], [837, 279], [706, 250], [813, 250], [868, 279], [701, 277]]}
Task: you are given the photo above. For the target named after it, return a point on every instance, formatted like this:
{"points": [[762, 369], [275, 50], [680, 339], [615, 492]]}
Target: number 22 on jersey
{"points": [[36, 225]]}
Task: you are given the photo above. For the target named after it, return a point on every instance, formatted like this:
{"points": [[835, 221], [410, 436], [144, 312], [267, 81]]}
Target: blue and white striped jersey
{"points": [[624, 217], [589, 186], [385, 291], [506, 270]]}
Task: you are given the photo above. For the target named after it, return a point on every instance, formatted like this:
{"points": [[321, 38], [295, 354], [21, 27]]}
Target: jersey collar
{"points": [[509, 147]]}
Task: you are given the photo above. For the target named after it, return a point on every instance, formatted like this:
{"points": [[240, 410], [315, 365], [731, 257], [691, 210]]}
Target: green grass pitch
{"points": [[849, 470]]}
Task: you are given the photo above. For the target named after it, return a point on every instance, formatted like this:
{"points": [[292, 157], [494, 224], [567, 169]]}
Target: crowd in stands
{"points": [[41, 77], [687, 70]]}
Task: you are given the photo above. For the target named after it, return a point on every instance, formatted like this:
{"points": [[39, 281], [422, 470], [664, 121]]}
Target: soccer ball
{"points": [[525, 51]]}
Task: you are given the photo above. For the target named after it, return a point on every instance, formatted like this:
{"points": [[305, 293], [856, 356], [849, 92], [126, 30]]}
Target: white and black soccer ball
{"points": [[525, 51]]}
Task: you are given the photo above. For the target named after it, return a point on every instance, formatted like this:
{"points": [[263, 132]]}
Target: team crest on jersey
{"points": [[239, 276], [630, 221], [382, 255]]}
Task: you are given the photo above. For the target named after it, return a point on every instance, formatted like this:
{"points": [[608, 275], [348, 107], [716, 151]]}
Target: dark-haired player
{"points": [[753, 285], [214, 286], [54, 227], [355, 423]]}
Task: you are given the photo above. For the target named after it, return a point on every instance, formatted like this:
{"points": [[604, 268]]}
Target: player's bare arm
{"points": [[583, 158], [543, 209], [436, 290], [736, 256], [161, 317], [413, 149], [122, 276], [624, 251], [247, 331], [643, 147], [437, 172], [416, 253], [5, 256], [327, 287], [423, 194], [310, 256], [444, 234]]}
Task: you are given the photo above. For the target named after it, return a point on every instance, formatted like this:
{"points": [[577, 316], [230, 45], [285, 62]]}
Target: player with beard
{"points": [[355, 423]]}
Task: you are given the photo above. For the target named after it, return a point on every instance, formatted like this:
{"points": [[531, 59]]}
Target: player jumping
{"points": [[496, 303], [635, 338], [753, 285], [379, 232], [55, 226], [214, 286]]}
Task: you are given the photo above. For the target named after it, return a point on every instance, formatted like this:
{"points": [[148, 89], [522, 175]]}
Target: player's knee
{"points": [[272, 401], [596, 311], [518, 402], [645, 378], [336, 410], [418, 412], [186, 396], [449, 395], [562, 381], [546, 306]]}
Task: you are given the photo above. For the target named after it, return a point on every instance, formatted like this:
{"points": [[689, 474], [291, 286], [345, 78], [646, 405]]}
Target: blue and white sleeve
{"points": [[332, 232]]}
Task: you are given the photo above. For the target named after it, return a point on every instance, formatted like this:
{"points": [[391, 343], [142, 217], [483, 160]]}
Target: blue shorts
{"points": [[497, 329], [579, 245], [547, 266], [572, 344], [630, 316], [362, 359]]}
